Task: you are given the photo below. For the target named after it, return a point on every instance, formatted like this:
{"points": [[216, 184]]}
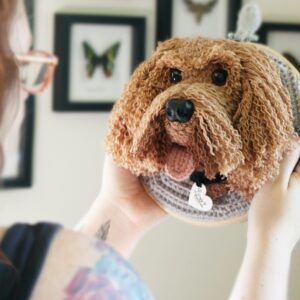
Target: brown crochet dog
{"points": [[215, 110]]}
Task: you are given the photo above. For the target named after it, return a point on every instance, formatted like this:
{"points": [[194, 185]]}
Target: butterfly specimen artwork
{"points": [[105, 60], [97, 55], [200, 9]]}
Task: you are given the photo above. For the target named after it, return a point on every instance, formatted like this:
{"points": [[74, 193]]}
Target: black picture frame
{"points": [[164, 20], [268, 27], [24, 177], [29, 6], [63, 25]]}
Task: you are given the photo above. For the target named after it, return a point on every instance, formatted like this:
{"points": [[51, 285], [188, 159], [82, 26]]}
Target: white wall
{"points": [[278, 10], [178, 261]]}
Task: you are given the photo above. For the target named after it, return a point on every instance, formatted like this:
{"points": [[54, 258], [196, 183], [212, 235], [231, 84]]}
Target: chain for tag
{"points": [[198, 198]]}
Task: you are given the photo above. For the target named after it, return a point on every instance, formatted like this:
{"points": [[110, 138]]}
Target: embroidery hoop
{"points": [[173, 196]]}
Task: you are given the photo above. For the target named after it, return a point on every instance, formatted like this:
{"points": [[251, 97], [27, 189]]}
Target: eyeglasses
{"points": [[36, 70]]}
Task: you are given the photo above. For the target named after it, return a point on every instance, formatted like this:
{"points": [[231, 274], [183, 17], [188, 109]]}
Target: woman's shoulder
{"points": [[49, 262], [78, 266]]}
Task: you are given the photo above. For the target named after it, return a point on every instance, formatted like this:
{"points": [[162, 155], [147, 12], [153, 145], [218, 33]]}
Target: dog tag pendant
{"points": [[198, 198]]}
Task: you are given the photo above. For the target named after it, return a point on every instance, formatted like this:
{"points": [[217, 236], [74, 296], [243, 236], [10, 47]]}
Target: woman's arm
{"points": [[264, 272], [122, 212], [79, 267], [273, 231], [106, 221]]}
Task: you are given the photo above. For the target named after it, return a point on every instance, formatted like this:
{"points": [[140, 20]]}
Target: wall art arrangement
{"points": [[212, 18], [283, 37], [98, 53], [97, 56]]}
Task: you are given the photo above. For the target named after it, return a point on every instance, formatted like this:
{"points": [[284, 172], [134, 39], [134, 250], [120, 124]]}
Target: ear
{"points": [[128, 112], [150, 141], [264, 120], [150, 146]]}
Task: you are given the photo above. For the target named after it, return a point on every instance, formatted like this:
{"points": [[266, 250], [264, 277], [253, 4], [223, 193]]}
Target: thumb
{"points": [[288, 164]]}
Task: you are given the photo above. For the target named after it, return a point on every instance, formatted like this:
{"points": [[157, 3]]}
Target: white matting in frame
{"points": [[213, 24], [99, 88]]}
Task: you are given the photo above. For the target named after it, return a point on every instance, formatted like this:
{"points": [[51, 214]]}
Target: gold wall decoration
{"points": [[200, 9]]}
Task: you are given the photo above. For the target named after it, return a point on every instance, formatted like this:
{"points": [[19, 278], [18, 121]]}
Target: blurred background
{"points": [[63, 136]]}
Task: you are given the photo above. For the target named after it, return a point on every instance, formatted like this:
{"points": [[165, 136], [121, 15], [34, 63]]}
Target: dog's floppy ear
{"points": [[263, 118], [129, 110]]}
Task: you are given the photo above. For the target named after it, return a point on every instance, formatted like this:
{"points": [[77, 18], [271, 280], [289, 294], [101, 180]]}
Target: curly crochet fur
{"points": [[240, 129]]}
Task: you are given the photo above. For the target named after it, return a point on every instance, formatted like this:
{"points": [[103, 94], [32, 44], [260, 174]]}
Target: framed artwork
{"points": [[18, 151], [212, 18], [283, 37], [97, 55], [164, 19]]}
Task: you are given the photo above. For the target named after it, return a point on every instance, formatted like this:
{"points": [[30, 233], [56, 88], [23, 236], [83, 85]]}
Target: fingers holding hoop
{"points": [[288, 165], [297, 168]]}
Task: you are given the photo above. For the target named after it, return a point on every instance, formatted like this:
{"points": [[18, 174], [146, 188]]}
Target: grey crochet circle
{"points": [[173, 196]]}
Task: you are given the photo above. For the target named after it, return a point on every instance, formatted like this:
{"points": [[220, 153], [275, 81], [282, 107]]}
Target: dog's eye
{"points": [[175, 75], [219, 77]]}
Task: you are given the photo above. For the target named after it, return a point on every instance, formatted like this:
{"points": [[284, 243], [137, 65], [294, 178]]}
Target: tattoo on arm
{"points": [[110, 277], [103, 231]]}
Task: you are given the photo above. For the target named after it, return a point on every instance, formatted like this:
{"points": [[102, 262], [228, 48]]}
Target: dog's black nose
{"points": [[179, 110]]}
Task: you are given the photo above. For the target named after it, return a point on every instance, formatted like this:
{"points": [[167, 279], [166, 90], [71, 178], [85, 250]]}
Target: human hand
{"points": [[122, 212], [124, 190], [274, 214]]}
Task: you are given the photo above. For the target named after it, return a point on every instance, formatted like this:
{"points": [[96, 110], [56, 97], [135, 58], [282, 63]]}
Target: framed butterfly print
{"points": [[97, 54]]}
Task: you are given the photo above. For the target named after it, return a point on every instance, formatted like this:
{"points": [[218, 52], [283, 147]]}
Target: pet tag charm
{"points": [[198, 198]]}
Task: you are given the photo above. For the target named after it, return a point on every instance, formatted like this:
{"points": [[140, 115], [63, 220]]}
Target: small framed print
{"points": [[283, 37], [18, 151], [210, 18], [97, 54]]}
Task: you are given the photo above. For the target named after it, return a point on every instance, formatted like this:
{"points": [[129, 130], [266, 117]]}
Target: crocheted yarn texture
{"points": [[239, 129]]}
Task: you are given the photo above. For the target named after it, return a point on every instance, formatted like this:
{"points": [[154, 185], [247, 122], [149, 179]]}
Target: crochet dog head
{"points": [[216, 108]]}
